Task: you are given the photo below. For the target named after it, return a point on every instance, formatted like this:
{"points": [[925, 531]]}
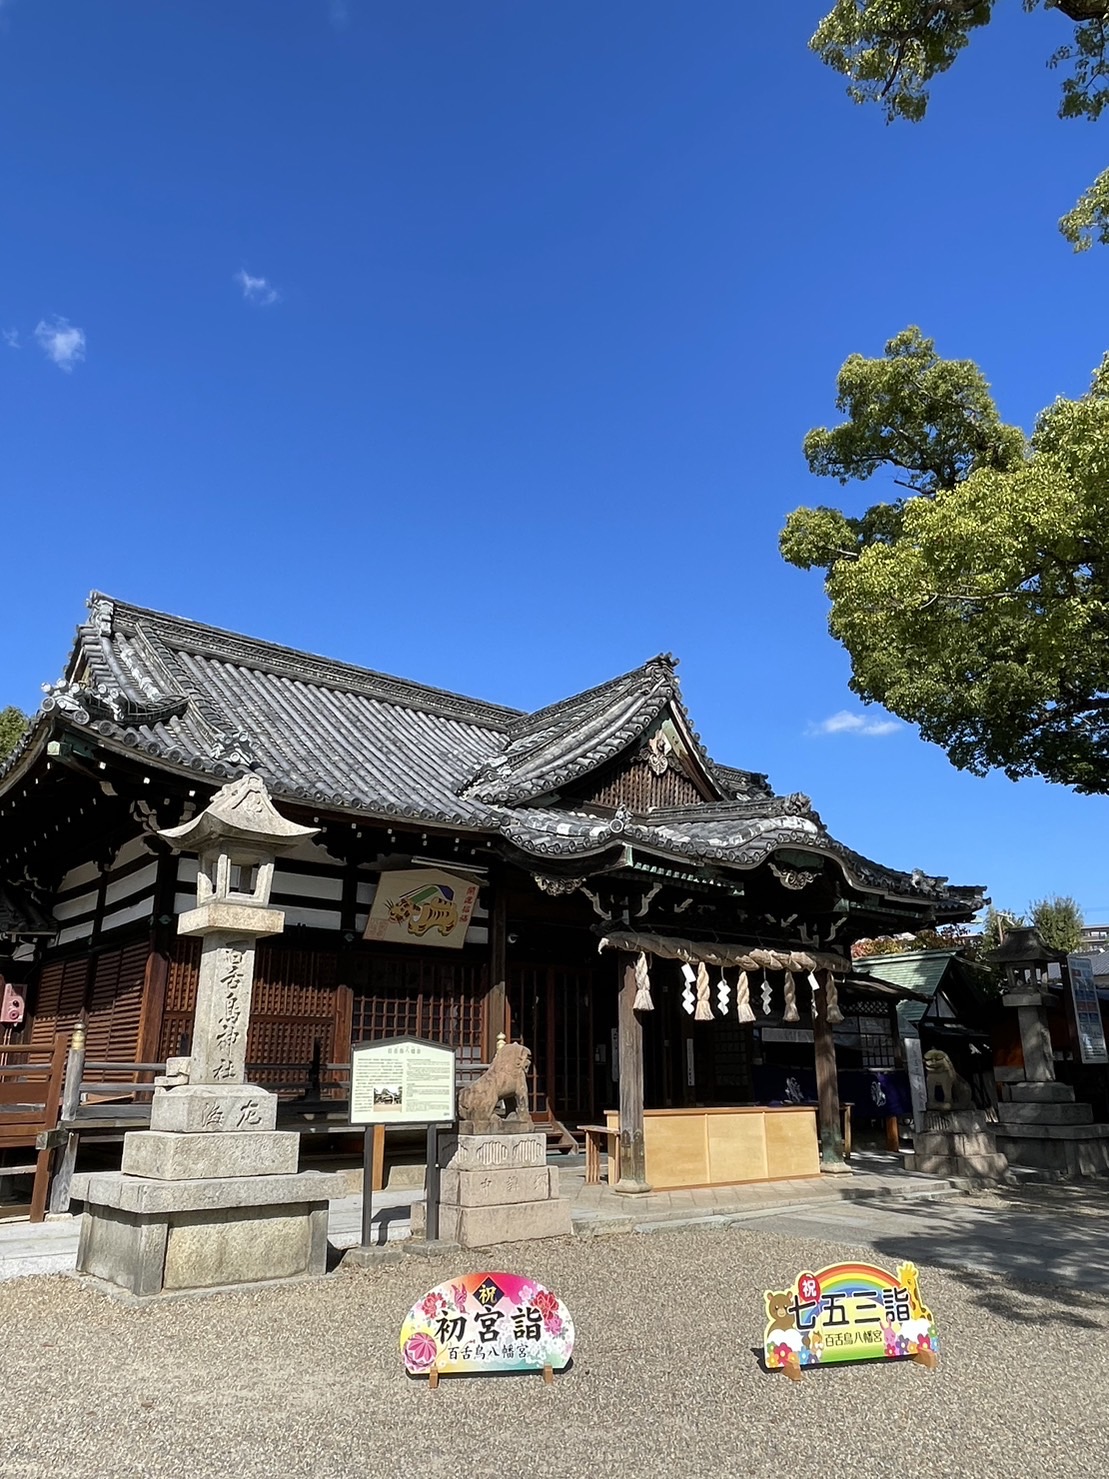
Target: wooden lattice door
{"points": [[419, 996]]}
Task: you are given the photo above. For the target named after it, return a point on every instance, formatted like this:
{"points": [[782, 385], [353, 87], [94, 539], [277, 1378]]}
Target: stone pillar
{"points": [[829, 1122], [1035, 1037], [210, 1195], [632, 1157]]}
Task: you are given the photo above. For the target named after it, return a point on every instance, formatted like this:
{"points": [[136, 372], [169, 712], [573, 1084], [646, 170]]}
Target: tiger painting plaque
{"points": [[421, 907]]}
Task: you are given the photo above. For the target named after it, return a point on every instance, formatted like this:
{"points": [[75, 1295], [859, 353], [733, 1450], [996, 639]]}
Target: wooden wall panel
{"points": [[181, 977], [59, 998], [115, 1003], [633, 784]]}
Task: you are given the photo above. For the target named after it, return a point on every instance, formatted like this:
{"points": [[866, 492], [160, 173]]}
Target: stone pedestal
{"points": [[958, 1142], [496, 1189], [209, 1198], [1041, 1127]]}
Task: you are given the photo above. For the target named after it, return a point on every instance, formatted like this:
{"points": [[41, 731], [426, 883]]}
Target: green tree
{"points": [[12, 724], [891, 50], [1059, 921], [976, 605]]}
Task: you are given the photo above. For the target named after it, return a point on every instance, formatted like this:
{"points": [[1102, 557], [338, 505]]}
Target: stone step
{"points": [[1045, 1114], [1009, 1131], [1048, 1093]]}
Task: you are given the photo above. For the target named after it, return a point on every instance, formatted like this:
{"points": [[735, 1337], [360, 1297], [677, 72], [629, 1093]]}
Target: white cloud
{"points": [[11, 338], [62, 342], [847, 723], [256, 290]]}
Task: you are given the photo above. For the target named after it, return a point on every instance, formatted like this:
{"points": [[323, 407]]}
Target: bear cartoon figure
{"points": [[778, 1312]]}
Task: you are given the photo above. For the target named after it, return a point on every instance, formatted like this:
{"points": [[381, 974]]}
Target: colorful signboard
{"points": [[402, 1081], [481, 1323], [421, 907], [848, 1312], [1087, 1009]]}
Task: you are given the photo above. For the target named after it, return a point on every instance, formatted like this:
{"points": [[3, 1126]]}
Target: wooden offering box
{"points": [[720, 1147]]}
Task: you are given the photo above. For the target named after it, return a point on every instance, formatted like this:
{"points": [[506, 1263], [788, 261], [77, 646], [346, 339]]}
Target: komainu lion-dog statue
{"points": [[499, 1098]]}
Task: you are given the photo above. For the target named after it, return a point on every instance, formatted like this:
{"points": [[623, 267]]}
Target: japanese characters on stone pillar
{"points": [[236, 839]]}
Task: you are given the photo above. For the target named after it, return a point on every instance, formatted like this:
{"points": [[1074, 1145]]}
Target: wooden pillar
{"points": [[827, 1091], [633, 1165], [496, 997]]}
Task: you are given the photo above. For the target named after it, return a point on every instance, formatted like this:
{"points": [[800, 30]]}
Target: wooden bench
{"points": [[30, 1096], [594, 1134]]}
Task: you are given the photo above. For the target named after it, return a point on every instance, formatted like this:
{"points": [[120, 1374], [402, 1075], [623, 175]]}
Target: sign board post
{"points": [[1087, 1010], [918, 1082], [401, 1081]]}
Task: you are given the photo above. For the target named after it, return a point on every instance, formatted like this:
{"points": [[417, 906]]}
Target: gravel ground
{"points": [[308, 1380]]}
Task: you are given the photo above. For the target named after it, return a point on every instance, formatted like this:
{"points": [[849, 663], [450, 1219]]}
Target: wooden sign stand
{"points": [[548, 1376]]}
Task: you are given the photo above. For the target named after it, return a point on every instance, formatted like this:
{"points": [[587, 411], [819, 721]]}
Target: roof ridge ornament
{"points": [[665, 660], [86, 703], [102, 611]]}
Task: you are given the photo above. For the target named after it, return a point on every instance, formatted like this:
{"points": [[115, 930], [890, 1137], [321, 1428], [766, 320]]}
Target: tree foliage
{"points": [[12, 724], [1059, 921], [891, 50], [946, 937], [976, 605]]}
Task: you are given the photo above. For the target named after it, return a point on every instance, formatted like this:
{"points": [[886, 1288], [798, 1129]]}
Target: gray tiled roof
{"points": [[211, 703]]}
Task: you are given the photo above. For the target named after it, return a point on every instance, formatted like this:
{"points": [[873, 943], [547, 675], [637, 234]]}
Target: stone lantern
{"points": [[236, 839], [1030, 965], [210, 1196], [1041, 1127]]}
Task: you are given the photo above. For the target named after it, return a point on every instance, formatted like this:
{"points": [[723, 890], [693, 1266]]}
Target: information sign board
{"points": [[1087, 1009], [402, 1081]]}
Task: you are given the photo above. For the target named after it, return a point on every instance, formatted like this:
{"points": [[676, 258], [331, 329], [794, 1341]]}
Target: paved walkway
{"points": [[1054, 1235], [51, 1246], [599, 1209]]}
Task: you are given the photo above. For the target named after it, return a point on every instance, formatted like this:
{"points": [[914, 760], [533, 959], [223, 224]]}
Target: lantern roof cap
{"points": [[1024, 946], [240, 812]]}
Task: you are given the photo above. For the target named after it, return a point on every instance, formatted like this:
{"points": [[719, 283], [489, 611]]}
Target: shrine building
{"points": [[662, 930]]}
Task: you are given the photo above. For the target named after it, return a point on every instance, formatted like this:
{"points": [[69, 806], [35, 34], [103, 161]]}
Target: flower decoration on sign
{"points": [[420, 1352]]}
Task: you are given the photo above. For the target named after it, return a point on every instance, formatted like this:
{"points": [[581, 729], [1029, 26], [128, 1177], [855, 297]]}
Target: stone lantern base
{"points": [[1043, 1129], [205, 1208]]}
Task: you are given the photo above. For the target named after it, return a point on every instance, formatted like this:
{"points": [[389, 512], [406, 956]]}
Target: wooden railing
{"points": [[30, 1096], [80, 1095]]}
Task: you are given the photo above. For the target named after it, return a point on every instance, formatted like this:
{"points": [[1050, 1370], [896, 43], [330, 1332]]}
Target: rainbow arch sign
{"points": [[848, 1312]]}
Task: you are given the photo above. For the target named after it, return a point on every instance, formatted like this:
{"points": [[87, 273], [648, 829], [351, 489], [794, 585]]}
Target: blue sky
{"points": [[476, 341]]}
